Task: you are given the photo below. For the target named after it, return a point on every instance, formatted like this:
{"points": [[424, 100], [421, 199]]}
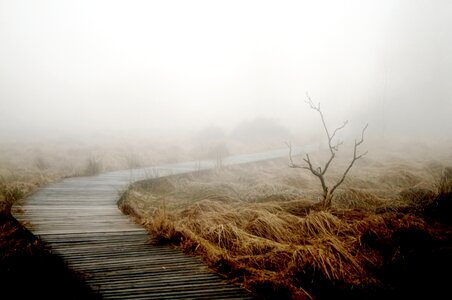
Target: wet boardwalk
{"points": [[79, 219]]}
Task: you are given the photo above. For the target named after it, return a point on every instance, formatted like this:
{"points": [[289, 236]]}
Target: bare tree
{"points": [[333, 147]]}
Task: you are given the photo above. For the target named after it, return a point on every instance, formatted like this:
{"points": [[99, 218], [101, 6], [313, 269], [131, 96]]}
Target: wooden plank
{"points": [[78, 218]]}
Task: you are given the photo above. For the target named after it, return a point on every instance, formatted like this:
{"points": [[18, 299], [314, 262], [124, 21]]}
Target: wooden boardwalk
{"points": [[79, 219]]}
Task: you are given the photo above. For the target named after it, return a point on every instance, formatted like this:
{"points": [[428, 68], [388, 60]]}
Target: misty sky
{"points": [[76, 66]]}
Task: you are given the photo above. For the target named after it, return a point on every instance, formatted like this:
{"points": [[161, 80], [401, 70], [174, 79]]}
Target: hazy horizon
{"points": [[123, 67]]}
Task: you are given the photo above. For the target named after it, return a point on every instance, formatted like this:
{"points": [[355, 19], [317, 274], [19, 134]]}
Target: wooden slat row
{"points": [[79, 219]]}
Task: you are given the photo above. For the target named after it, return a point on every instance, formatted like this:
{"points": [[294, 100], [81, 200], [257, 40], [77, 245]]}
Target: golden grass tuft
{"points": [[262, 227], [262, 240], [331, 257], [353, 198], [162, 227], [319, 223]]}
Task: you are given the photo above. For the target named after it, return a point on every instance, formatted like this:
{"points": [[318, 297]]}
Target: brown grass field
{"points": [[28, 269], [387, 235]]}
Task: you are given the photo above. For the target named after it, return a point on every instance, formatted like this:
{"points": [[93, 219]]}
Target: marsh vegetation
{"points": [[386, 234], [88, 87]]}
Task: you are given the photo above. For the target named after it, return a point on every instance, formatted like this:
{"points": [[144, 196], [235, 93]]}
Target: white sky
{"points": [[173, 65]]}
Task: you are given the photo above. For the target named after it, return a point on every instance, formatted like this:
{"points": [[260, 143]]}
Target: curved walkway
{"points": [[79, 219]]}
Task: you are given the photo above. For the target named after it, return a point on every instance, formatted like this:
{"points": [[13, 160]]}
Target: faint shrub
{"points": [[133, 161], [41, 163], [93, 167], [210, 143]]}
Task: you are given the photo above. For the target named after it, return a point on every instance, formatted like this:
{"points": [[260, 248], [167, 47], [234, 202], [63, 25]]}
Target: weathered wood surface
{"points": [[79, 219]]}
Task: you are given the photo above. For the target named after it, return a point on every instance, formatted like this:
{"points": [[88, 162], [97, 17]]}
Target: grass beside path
{"points": [[387, 236]]}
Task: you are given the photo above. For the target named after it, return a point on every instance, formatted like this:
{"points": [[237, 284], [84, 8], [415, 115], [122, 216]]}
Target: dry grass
{"points": [[260, 225], [27, 269], [28, 163]]}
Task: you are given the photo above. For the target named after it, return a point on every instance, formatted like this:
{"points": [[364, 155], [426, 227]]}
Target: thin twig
{"points": [[291, 163], [355, 158]]}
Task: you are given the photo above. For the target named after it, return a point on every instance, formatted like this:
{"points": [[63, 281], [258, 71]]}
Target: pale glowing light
{"points": [[161, 65]]}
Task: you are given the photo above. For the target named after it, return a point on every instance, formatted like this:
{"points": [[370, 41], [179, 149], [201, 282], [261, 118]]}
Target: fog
{"points": [[171, 67]]}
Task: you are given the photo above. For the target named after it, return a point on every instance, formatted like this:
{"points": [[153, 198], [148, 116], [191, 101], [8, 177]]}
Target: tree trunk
{"points": [[327, 198]]}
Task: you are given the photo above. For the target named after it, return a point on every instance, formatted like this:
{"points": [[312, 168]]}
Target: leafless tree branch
{"points": [[291, 163], [333, 148], [355, 158], [337, 129]]}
